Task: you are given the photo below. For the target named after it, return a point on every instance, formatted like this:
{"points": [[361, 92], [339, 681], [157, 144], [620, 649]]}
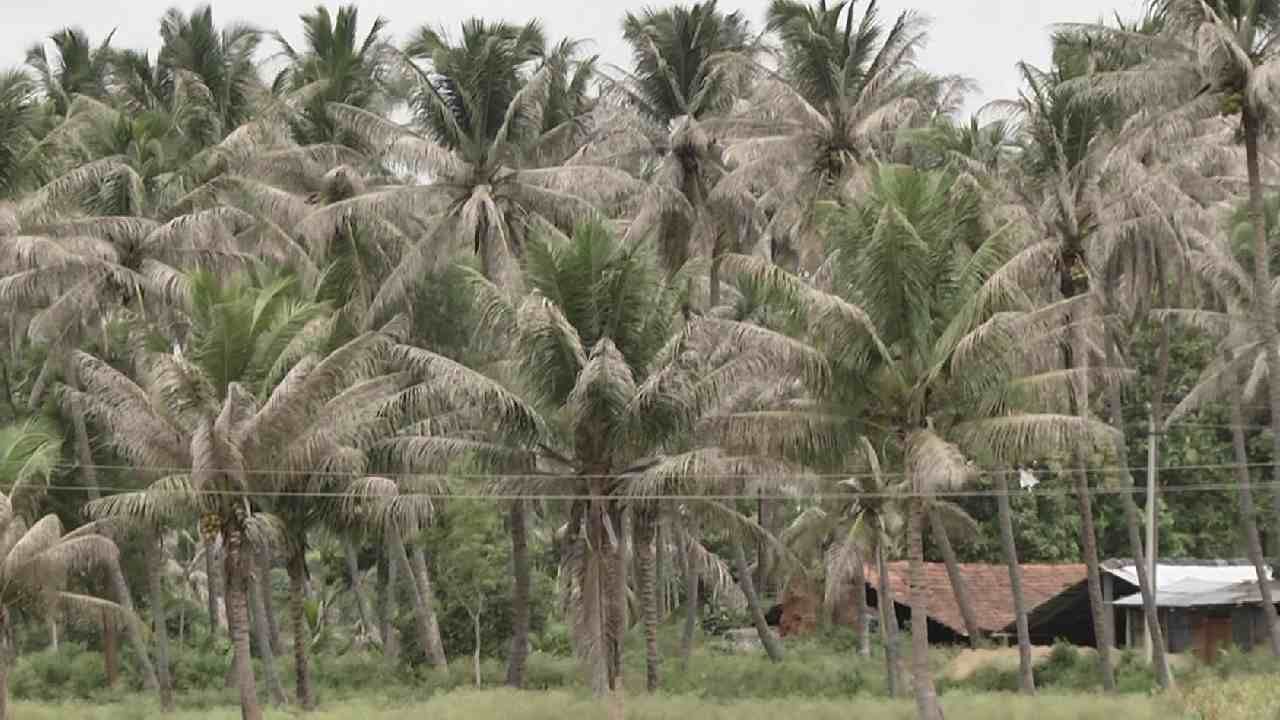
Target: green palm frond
{"points": [[29, 454]]}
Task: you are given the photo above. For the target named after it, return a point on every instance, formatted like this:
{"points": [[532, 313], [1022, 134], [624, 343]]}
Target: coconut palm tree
{"points": [[921, 296], [396, 508], [1119, 196], [74, 68], [1214, 59], [861, 532], [219, 63], [1063, 166], [38, 560], [1026, 675], [150, 512], [846, 85], [1221, 261], [601, 336], [477, 137], [352, 71], [18, 112], [678, 82], [235, 403]]}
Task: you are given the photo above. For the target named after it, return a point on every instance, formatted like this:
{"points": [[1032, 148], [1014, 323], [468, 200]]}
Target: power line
{"points": [[776, 495], [797, 475]]}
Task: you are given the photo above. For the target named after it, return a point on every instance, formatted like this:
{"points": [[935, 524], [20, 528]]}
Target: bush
{"points": [[198, 668], [553, 640], [356, 672], [68, 672], [716, 620], [550, 672]]}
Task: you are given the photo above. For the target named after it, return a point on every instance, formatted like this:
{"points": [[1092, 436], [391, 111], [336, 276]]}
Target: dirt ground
{"points": [[970, 661]]}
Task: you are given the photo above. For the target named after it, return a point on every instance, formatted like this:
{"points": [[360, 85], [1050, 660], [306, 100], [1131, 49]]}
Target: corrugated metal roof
{"points": [[1193, 592], [1220, 572]]}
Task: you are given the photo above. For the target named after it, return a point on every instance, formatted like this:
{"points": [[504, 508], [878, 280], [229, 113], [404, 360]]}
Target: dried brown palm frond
{"points": [[166, 502], [127, 414], [933, 463]]}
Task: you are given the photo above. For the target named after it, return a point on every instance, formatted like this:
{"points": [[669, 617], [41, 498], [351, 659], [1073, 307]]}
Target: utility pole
{"points": [[1152, 469]]}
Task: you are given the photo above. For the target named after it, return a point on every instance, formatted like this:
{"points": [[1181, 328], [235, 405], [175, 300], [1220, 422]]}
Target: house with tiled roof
{"points": [[989, 591]]}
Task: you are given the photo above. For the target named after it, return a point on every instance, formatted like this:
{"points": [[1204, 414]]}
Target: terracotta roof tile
{"points": [[988, 586]]}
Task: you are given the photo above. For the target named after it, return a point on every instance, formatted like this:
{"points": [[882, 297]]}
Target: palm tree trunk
{"points": [[888, 621], [357, 589], [1078, 401], [927, 706], [1089, 548], [237, 579], [860, 607], [644, 540], [1026, 675], [132, 625], [110, 654], [387, 570], [301, 632], [615, 591], [770, 641], [520, 576], [213, 583], [690, 602], [155, 580], [420, 614], [660, 562], [1134, 526], [762, 548], [958, 585], [591, 637], [6, 660], [422, 578], [262, 636], [263, 577], [1267, 314], [1249, 523]]}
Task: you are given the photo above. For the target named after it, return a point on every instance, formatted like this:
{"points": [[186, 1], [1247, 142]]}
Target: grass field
{"points": [[557, 705]]}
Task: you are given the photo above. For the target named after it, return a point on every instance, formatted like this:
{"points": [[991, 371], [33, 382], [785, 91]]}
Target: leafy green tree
{"points": [[473, 562]]}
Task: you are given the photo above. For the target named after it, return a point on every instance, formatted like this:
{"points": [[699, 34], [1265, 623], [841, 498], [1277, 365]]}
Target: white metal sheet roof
{"points": [[1198, 593], [1167, 575]]}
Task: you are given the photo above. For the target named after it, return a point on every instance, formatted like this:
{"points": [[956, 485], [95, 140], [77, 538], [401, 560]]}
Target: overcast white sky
{"points": [[981, 39]]}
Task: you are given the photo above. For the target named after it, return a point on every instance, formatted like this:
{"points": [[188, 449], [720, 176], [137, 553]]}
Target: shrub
{"points": [[553, 640], [716, 620], [550, 672], [198, 668], [68, 672]]}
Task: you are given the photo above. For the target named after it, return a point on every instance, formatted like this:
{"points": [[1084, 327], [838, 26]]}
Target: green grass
{"points": [[562, 705]]}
